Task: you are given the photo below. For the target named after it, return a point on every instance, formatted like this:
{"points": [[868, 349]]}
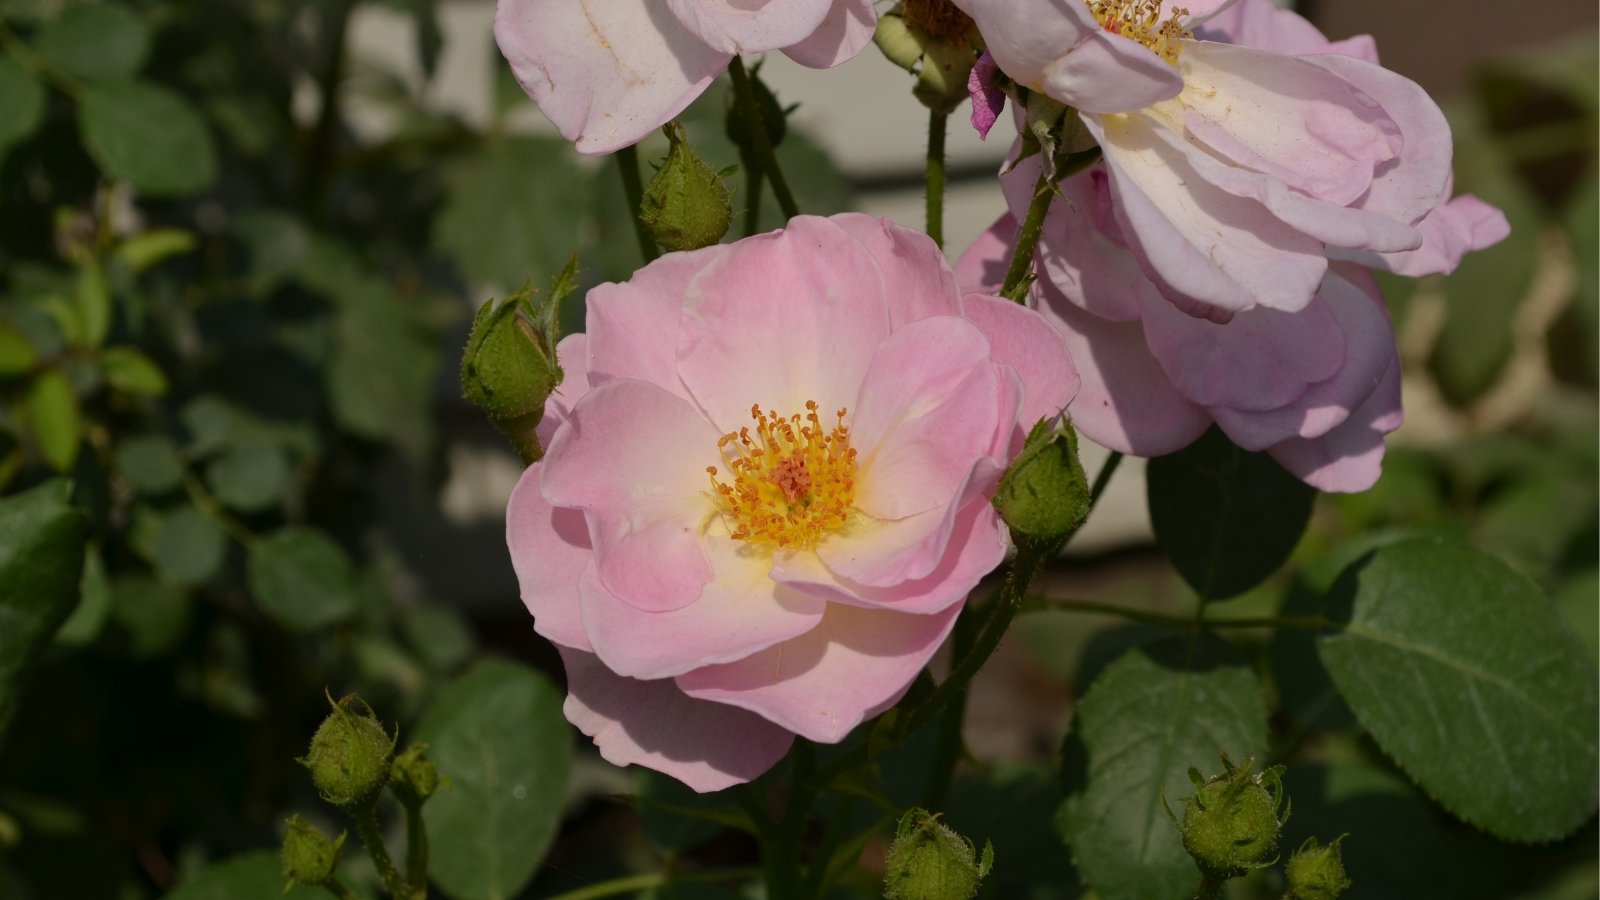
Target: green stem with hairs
{"points": [[633, 188], [937, 126]]}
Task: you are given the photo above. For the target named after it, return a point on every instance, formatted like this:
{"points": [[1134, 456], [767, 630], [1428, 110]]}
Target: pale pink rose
{"points": [[1317, 388], [766, 493], [1241, 149], [609, 72]]}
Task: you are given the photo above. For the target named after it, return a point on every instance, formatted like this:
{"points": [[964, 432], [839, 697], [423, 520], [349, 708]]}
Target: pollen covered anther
{"points": [[792, 480], [1140, 20]]}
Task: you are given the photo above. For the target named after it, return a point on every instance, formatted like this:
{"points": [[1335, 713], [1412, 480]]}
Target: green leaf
{"points": [[41, 562], [1226, 518], [17, 355], [1152, 714], [89, 616], [188, 547], [442, 639], [1574, 356], [302, 579], [21, 103], [498, 735], [508, 218], [153, 247], [54, 420], [153, 617], [131, 372], [1473, 682], [381, 373], [95, 42], [251, 876], [150, 463], [147, 136], [251, 478], [94, 304], [660, 799]]}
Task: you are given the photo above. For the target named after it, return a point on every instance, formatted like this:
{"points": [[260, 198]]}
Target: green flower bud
{"points": [[686, 206], [1231, 823], [414, 777], [1044, 495], [1316, 872], [509, 367], [935, 41], [308, 855], [350, 756], [928, 861], [773, 116]]}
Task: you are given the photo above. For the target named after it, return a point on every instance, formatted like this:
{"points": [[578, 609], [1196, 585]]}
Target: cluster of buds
{"points": [[936, 42]]}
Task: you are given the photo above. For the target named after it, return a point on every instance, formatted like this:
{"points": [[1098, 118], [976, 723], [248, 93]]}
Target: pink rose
{"points": [[767, 489], [1235, 169], [608, 72], [1317, 388]]}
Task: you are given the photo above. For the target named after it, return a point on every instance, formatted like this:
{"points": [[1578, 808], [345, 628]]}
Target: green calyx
{"points": [[934, 41], [1231, 823], [1316, 871], [308, 855], [928, 861], [351, 755], [686, 206], [509, 368], [1044, 495]]}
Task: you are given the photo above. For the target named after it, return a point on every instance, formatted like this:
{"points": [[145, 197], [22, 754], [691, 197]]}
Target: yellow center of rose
{"points": [[1140, 20], [791, 479]]}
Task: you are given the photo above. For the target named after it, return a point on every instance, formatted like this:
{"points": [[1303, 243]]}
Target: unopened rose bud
{"points": [[414, 777], [686, 206], [935, 41], [928, 861], [309, 855], [1044, 495], [1316, 872], [774, 118], [350, 756], [1231, 823], [509, 367]]}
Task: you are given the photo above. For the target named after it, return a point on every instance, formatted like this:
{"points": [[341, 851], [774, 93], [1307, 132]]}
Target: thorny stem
{"points": [[765, 157], [633, 187], [1070, 605], [1028, 239], [752, 193], [366, 818], [338, 889], [937, 122], [1103, 477], [416, 849], [782, 858]]}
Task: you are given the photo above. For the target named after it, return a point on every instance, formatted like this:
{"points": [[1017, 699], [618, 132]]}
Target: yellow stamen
{"points": [[793, 481], [1140, 20]]}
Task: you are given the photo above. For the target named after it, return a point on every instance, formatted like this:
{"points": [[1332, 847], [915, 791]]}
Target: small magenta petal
{"points": [[988, 100]]}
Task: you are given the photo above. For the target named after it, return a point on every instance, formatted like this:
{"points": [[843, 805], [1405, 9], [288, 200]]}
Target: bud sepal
{"points": [[351, 756], [929, 861]]}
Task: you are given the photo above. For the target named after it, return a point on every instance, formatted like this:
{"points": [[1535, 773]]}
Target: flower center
{"points": [[792, 480], [939, 18], [1140, 20]]}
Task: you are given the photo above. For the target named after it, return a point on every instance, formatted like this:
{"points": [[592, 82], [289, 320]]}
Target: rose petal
{"points": [[740, 612], [982, 266], [634, 458], [549, 551], [852, 666], [707, 746], [606, 72], [917, 281], [1023, 339], [633, 326], [844, 32], [1348, 459], [745, 27], [769, 325]]}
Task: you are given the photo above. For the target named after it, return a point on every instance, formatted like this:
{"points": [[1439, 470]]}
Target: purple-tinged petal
{"points": [[606, 72], [1349, 458], [1125, 401], [1259, 360], [821, 685], [1208, 251], [707, 746], [988, 99], [1449, 233]]}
